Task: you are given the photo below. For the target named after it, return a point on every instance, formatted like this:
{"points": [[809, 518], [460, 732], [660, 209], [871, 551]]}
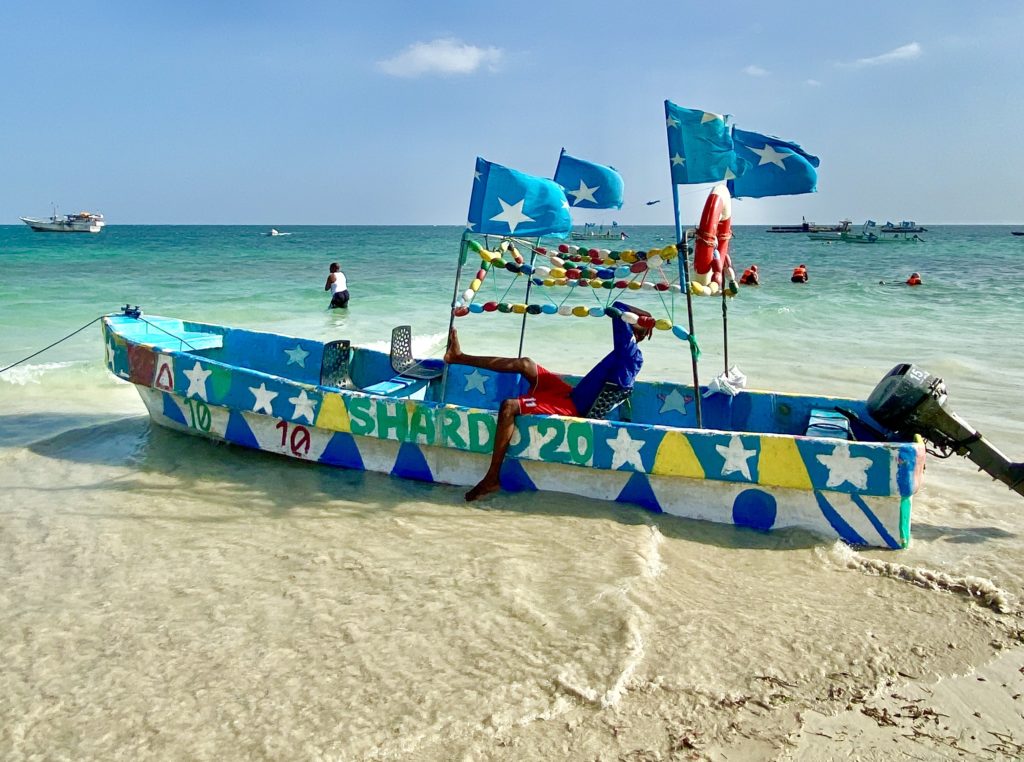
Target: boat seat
{"points": [[610, 397], [336, 372], [334, 365], [402, 361]]}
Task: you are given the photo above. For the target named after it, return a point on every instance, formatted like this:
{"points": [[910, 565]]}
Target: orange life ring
{"points": [[715, 230]]}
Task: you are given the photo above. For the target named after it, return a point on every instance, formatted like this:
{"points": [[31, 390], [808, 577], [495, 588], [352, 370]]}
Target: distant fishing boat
{"points": [[868, 235], [599, 232], [274, 232], [82, 222], [906, 226], [1017, 232], [843, 226]]}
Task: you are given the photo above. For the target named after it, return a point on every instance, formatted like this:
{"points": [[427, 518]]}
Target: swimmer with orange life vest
{"points": [[750, 277], [914, 279], [799, 274]]}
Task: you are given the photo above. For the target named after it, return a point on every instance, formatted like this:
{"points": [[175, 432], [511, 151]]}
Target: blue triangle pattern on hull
{"points": [[410, 464], [514, 477], [172, 411], [238, 431], [343, 451], [638, 490]]}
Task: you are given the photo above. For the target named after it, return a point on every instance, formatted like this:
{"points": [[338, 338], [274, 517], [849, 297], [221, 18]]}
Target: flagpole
{"points": [[725, 324], [529, 285], [684, 279], [451, 311]]}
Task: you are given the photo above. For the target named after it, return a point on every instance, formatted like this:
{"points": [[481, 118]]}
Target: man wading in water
{"points": [[550, 395]]}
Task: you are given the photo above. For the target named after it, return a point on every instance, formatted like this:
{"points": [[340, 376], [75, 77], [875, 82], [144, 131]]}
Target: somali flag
{"points": [[507, 202], [779, 168], [700, 146], [588, 185]]}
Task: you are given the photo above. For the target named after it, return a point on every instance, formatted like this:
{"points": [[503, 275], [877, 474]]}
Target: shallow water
{"points": [[166, 597]]}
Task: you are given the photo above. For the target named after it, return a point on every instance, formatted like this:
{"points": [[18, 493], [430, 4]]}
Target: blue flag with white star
{"points": [[588, 185], [700, 146], [779, 167], [508, 202]]}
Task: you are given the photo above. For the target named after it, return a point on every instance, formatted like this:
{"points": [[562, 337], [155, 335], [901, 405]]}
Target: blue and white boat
{"points": [[763, 460]]}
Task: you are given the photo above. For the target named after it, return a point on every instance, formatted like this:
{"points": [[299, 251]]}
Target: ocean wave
{"points": [[31, 374], [982, 591]]}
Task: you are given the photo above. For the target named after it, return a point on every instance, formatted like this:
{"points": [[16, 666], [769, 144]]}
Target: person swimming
{"points": [[750, 277], [799, 274], [914, 279]]}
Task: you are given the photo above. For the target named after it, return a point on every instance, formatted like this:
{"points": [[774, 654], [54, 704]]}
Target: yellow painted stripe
{"points": [[676, 457], [780, 464], [333, 414]]}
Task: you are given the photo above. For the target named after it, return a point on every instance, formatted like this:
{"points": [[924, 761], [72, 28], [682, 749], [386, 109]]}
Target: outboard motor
{"points": [[912, 401]]}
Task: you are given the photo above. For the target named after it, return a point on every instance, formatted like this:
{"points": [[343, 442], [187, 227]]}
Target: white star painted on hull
{"points": [[512, 214], [729, 174], [297, 356], [770, 156], [303, 406], [476, 175], [844, 468], [625, 450], [736, 457], [470, 225], [583, 193], [476, 380], [674, 400], [197, 381], [677, 160], [264, 399], [672, 122], [710, 117]]}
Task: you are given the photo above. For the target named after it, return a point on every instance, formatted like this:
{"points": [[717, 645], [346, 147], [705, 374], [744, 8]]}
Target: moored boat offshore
{"points": [[81, 222]]}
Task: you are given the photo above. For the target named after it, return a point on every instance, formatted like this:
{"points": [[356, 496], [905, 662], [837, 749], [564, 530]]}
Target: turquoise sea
{"points": [[168, 598]]}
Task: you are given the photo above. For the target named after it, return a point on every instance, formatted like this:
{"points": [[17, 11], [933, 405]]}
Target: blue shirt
{"points": [[620, 366]]}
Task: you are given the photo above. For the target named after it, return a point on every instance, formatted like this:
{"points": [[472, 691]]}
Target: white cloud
{"points": [[441, 56], [812, 83], [903, 53], [755, 71]]}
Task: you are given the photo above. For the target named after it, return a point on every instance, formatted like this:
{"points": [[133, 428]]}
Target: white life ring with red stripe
{"points": [[714, 231]]}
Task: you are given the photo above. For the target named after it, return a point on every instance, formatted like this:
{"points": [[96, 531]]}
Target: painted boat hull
{"points": [[859, 492]]}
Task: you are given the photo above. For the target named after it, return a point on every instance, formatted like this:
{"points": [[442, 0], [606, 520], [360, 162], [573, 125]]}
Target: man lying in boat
{"points": [[549, 394]]}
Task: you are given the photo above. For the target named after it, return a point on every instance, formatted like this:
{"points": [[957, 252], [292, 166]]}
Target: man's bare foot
{"points": [[454, 351], [483, 489]]}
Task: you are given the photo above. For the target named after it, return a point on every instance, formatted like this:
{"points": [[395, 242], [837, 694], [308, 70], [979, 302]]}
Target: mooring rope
{"points": [[51, 346]]}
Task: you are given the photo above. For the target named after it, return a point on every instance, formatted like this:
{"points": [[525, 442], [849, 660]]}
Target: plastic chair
{"points": [[334, 367], [610, 397], [402, 361]]}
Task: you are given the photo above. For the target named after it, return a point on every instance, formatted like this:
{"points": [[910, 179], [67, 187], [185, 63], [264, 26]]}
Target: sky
{"points": [[347, 113]]}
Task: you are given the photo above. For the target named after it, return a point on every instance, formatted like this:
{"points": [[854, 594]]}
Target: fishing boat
{"points": [[592, 232], [1017, 232], [82, 222], [810, 227], [869, 234], [905, 226]]}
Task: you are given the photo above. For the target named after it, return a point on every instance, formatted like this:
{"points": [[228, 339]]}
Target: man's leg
{"points": [[502, 436], [524, 366]]}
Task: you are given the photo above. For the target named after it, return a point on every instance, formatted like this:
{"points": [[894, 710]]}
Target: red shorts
{"points": [[550, 396]]}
